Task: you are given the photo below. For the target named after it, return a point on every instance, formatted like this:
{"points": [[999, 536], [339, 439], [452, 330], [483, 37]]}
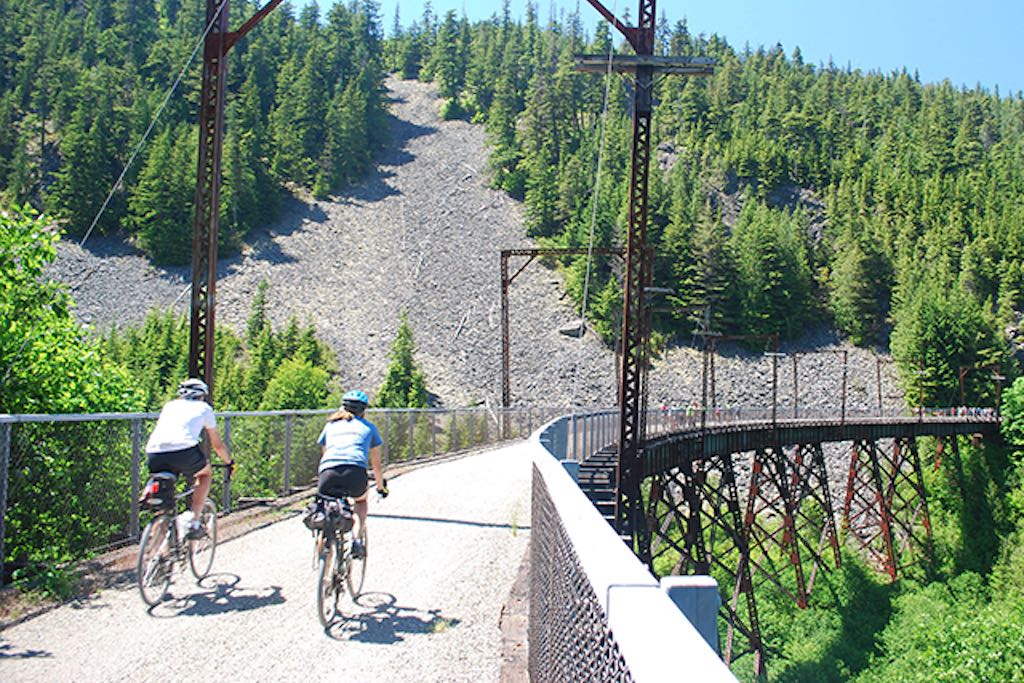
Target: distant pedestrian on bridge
{"points": [[349, 446]]}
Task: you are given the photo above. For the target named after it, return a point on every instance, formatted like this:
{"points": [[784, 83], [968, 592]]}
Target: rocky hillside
{"points": [[422, 234]]}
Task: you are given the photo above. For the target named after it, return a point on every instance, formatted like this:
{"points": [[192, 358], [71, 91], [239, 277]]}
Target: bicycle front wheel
{"points": [[155, 563], [328, 585], [357, 567], [201, 550]]}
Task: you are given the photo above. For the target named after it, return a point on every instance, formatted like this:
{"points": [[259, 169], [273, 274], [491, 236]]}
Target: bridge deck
{"points": [[444, 551]]}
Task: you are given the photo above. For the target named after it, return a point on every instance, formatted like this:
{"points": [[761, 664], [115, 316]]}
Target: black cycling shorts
{"points": [[346, 480], [187, 461]]}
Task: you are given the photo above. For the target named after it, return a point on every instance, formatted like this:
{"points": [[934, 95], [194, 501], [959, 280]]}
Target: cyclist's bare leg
{"points": [[202, 487], [361, 508]]}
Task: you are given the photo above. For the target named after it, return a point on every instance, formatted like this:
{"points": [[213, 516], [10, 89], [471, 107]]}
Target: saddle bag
{"points": [[321, 516], [158, 493]]}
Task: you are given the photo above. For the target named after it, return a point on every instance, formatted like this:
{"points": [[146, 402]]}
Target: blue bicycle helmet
{"points": [[355, 401]]}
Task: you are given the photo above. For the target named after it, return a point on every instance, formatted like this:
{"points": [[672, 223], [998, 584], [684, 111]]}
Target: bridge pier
{"points": [[886, 507]]}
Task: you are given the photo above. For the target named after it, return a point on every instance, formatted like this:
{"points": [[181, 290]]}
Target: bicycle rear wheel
{"points": [[356, 571], [155, 564], [201, 550], [328, 585]]}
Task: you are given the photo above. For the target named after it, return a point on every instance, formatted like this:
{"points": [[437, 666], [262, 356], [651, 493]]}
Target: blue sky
{"points": [[966, 42]]}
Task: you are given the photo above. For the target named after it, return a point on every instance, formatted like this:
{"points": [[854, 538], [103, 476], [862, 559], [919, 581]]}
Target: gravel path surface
{"points": [[444, 551]]}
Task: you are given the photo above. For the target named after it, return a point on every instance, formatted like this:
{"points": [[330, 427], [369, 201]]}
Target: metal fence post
{"points": [[227, 477], [386, 450], [454, 445], [412, 435], [287, 454], [5, 458], [433, 436], [133, 520]]}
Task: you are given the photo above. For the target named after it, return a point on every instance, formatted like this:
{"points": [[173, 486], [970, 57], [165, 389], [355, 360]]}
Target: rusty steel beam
{"points": [[250, 24], [628, 515], [779, 524], [770, 523], [886, 508], [207, 196], [810, 483], [643, 65], [694, 524], [206, 222], [628, 64], [631, 33], [714, 482], [908, 505], [867, 513], [787, 533]]}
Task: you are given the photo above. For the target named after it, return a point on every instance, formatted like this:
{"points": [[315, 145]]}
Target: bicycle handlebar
{"points": [[229, 466]]}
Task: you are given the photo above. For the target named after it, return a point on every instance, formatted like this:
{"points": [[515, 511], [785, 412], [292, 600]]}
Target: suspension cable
{"points": [[593, 213], [152, 122], [117, 184]]}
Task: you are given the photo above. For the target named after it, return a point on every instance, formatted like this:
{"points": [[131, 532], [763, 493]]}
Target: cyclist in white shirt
{"points": [[174, 444]]}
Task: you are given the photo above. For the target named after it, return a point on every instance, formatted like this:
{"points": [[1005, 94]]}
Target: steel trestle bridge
{"points": [[757, 502]]}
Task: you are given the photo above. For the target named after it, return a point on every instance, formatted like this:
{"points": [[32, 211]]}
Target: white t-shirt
{"points": [[180, 425]]}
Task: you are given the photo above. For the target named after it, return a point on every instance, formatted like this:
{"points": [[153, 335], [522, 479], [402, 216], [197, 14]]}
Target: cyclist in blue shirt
{"points": [[349, 446]]}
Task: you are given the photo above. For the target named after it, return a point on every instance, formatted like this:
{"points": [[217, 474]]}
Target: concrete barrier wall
{"points": [[626, 626]]}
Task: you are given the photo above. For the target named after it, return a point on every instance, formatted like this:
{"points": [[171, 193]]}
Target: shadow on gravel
{"points": [[374, 187], [383, 622], [107, 246], [261, 245], [466, 522], [219, 595], [7, 652], [401, 133]]}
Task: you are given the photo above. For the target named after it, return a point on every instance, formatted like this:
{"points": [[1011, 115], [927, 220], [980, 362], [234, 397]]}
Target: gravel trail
{"points": [[444, 551]]}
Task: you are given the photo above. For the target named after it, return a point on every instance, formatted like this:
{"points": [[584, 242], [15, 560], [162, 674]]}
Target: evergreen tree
{"points": [[161, 207], [937, 331], [404, 385], [773, 276], [447, 63]]}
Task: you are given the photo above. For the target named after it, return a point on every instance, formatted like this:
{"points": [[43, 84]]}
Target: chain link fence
{"points": [[596, 612], [69, 484]]}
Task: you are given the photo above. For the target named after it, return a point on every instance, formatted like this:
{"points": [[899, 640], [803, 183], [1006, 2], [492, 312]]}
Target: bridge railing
{"points": [[69, 484], [587, 433], [596, 613]]}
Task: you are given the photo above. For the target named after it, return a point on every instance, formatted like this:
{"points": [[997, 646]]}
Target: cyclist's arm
{"points": [[218, 444], [378, 475]]}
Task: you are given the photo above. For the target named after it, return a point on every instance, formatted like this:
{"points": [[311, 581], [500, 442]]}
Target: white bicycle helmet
{"points": [[193, 389]]}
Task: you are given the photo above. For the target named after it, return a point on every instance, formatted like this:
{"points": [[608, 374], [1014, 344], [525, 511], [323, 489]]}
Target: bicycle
{"points": [[336, 567], [163, 546]]}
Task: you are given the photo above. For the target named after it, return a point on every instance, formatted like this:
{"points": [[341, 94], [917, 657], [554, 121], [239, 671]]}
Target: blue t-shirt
{"points": [[348, 442]]}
